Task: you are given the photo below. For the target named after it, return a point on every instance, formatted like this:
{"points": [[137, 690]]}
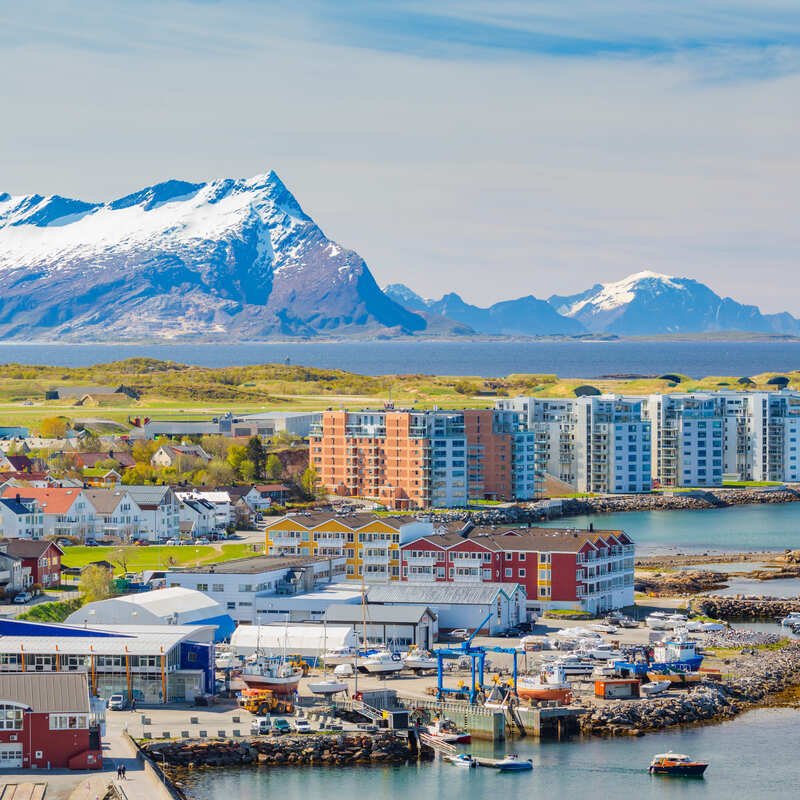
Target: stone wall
{"points": [[743, 608]]}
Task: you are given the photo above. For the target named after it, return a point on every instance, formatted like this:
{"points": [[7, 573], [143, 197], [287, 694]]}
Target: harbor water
{"points": [[737, 528], [753, 756]]}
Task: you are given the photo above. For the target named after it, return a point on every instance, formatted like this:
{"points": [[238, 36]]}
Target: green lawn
{"points": [[136, 559]]}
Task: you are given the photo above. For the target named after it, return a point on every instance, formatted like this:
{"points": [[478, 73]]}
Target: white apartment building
{"points": [[115, 513], [20, 518], [159, 511], [221, 500], [65, 511], [688, 438]]}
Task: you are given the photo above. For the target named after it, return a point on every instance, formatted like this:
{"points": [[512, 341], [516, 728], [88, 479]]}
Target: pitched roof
{"points": [[148, 495], [251, 566], [271, 487], [104, 501], [433, 594], [30, 548], [352, 521], [46, 692], [52, 500], [15, 506], [353, 613], [120, 456], [19, 463]]}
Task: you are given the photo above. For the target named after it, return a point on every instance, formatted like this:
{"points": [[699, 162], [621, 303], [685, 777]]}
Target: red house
{"points": [[41, 557], [45, 722]]}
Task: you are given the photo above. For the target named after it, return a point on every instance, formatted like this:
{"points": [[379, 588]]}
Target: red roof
{"points": [[52, 501]]}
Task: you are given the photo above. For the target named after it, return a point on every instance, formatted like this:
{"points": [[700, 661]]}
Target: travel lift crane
{"points": [[477, 657]]}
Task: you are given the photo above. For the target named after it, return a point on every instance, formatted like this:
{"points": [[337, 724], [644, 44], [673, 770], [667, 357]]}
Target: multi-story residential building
{"points": [[115, 513], [20, 517], [687, 439], [369, 544], [198, 516], [12, 573], [41, 560], [421, 459], [219, 498], [65, 511], [159, 511], [591, 570]]}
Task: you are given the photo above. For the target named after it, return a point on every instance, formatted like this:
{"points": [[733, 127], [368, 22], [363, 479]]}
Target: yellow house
{"points": [[370, 544]]}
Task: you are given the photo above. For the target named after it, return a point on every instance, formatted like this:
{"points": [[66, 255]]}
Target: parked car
{"points": [[91, 543], [202, 540], [303, 726], [117, 702], [23, 597], [173, 542], [459, 633], [261, 726], [281, 726]]}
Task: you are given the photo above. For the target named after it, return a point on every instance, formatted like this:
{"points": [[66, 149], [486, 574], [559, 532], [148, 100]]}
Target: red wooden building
{"points": [[41, 557], [45, 722], [559, 568]]}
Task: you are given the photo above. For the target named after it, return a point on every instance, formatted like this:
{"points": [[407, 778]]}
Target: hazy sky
{"points": [[495, 148]]}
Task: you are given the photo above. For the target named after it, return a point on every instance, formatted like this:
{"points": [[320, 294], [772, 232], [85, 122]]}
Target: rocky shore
{"points": [[678, 583], [743, 608], [304, 750], [759, 675]]}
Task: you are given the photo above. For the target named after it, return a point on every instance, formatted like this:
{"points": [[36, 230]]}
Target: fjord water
{"points": [[737, 528], [753, 756], [567, 359]]}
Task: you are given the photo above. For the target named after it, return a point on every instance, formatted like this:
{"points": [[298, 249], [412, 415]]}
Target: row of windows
{"points": [[68, 722]]}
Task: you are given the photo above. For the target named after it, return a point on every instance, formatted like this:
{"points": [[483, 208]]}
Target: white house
{"points": [[116, 513], [160, 511], [171, 455], [65, 511], [198, 516], [20, 518], [12, 573], [221, 500]]}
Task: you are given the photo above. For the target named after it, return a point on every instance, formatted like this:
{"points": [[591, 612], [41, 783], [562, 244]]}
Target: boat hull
{"points": [[676, 678], [278, 686], [327, 687], [681, 770], [544, 692]]}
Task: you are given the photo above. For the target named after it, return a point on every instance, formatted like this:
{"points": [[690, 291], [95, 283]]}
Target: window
{"points": [[509, 556], [508, 572], [521, 556], [245, 587], [202, 587], [68, 722], [10, 718], [521, 573], [218, 587]]}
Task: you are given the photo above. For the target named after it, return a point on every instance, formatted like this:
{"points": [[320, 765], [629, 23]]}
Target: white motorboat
{"points": [[676, 621], [604, 652], [693, 626], [327, 687], [420, 660], [575, 666], [513, 763], [344, 670], [604, 627], [381, 662], [658, 621], [339, 655], [445, 730], [711, 627], [655, 687], [791, 619], [462, 760], [225, 659]]}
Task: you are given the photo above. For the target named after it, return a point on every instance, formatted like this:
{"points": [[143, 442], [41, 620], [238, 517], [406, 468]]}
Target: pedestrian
{"points": [[123, 772], [119, 771]]}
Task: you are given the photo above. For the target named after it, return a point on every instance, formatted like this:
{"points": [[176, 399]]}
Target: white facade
{"points": [[223, 508], [159, 511], [20, 519], [200, 514]]}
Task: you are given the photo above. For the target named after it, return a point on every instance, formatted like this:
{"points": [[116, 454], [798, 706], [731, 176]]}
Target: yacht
{"points": [[381, 662], [225, 659], [327, 687], [419, 660], [676, 764]]}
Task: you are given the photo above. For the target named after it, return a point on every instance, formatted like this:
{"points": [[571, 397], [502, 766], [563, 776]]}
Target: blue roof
{"points": [[16, 627], [15, 506]]}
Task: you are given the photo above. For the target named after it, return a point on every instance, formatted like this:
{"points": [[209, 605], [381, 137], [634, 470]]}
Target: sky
{"points": [[496, 148]]}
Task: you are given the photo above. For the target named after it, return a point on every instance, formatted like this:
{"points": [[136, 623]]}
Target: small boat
{"points": [[675, 677], [658, 621], [655, 687], [604, 627], [225, 659], [463, 760], [513, 763], [275, 674], [575, 666], [550, 684], [344, 670], [445, 730], [339, 655], [381, 662], [418, 660], [711, 627], [326, 687], [792, 618], [603, 652], [676, 764], [626, 622]]}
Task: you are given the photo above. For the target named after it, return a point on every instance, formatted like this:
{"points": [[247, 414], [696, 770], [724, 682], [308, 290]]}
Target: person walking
{"points": [[123, 772], [119, 772]]}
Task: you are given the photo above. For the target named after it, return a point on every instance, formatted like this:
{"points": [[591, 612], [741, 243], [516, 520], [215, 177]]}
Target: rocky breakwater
{"points": [[270, 751], [687, 582], [743, 608], [757, 676]]}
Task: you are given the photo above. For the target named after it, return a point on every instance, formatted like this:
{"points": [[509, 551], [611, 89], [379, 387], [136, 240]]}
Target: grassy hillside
{"points": [[170, 390]]}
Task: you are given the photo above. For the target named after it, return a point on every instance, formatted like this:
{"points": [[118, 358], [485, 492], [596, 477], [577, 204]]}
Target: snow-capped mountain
{"points": [[524, 316], [176, 259], [648, 303]]}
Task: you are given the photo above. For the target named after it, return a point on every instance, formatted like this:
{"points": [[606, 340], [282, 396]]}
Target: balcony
{"points": [[283, 540], [424, 576], [421, 560], [473, 576], [329, 539], [381, 558]]}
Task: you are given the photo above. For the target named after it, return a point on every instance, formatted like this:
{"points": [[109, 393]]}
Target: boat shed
{"points": [[173, 606], [458, 605], [395, 626], [308, 641]]}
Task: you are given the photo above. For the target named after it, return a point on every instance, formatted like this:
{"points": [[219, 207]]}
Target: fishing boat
{"points": [[381, 662], [676, 764], [445, 730], [658, 621], [418, 660], [550, 684], [678, 652], [655, 687], [791, 619], [513, 763], [462, 760], [274, 674]]}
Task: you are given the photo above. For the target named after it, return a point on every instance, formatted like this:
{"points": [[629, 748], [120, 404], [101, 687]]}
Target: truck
{"points": [[262, 702]]}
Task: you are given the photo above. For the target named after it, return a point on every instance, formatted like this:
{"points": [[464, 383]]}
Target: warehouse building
{"points": [[309, 641], [152, 663], [396, 626], [173, 606]]}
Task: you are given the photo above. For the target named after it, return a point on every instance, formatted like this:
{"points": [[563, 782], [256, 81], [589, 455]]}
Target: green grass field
{"points": [[136, 559]]}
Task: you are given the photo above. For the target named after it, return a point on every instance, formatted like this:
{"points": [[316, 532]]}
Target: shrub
{"points": [[587, 391], [781, 381]]}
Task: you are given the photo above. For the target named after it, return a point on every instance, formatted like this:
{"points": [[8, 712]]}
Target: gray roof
{"points": [[148, 495], [47, 691], [392, 615], [432, 594], [251, 566]]}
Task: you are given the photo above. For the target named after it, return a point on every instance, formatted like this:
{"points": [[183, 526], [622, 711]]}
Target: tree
{"points": [[143, 449], [273, 468], [53, 427], [216, 446], [247, 471], [236, 454], [309, 481], [96, 583], [89, 443], [219, 473], [257, 454]]}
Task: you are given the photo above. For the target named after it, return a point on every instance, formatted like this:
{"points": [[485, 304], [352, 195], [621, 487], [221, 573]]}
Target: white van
{"points": [[261, 726]]}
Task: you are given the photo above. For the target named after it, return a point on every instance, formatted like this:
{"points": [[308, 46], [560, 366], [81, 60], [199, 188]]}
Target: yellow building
{"points": [[371, 544]]}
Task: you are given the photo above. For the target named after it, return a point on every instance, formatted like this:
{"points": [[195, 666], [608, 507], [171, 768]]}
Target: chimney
{"points": [[18, 497], [591, 527]]}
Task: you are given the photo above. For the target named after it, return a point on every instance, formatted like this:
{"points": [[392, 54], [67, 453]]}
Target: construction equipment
{"points": [[263, 701]]}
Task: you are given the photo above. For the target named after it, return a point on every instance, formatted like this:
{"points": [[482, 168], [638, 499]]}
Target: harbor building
{"points": [[237, 585], [397, 626], [46, 722], [558, 568], [408, 459], [152, 663], [369, 544]]}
